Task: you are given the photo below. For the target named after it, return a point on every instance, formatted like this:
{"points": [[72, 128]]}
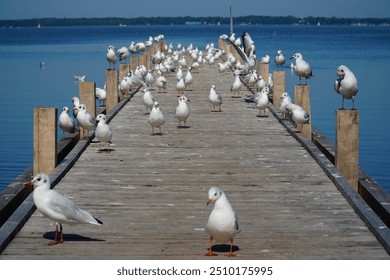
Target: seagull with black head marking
{"points": [[215, 99], [103, 132], [156, 118]]}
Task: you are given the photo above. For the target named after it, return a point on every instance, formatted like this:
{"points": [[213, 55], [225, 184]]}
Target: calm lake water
{"points": [[69, 51]]}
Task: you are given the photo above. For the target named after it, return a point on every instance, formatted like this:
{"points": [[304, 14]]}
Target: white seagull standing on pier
{"points": [[103, 131], [301, 68], [262, 101], [285, 99], [222, 225], [148, 100], [161, 83], [57, 207], [111, 56], [346, 85], [215, 99], [86, 120], [156, 118], [182, 111], [65, 122]]}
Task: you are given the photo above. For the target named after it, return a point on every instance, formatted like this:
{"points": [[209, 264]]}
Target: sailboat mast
{"points": [[231, 21]]}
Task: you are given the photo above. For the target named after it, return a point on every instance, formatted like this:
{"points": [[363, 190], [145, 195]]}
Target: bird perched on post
{"points": [[57, 207], [156, 118], [123, 53], [85, 120], [215, 99], [298, 114], [279, 60], [65, 122], [301, 68], [346, 85], [182, 111], [103, 131], [222, 225], [111, 56]]}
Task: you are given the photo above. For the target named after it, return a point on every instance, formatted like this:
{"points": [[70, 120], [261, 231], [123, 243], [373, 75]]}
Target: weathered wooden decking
{"points": [[151, 191]]}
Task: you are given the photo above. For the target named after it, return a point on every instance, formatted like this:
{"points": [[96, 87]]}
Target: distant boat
{"points": [[39, 25], [318, 23]]}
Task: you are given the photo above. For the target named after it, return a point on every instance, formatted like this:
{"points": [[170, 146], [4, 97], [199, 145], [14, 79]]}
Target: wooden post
{"points": [[45, 140], [133, 63], [263, 70], [87, 96], [302, 98], [112, 89], [347, 145], [279, 86]]}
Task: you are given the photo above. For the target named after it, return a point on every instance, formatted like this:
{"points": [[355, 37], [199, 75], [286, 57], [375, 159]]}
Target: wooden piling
{"points": [[87, 95], [112, 89], [263, 70], [133, 63], [279, 86], [347, 145], [302, 98], [45, 139]]}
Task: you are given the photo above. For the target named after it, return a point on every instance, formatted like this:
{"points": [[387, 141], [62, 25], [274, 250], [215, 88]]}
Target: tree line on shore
{"points": [[287, 20]]}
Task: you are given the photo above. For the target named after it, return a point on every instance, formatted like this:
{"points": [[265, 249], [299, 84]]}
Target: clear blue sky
{"points": [[24, 9]]}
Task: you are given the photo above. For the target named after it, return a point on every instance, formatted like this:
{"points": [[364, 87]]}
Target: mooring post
{"points": [[133, 63], [45, 139], [263, 70], [279, 86], [302, 98], [112, 89], [347, 145], [87, 96]]}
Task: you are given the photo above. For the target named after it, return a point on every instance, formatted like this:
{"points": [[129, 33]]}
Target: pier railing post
{"points": [[123, 72], [87, 95], [45, 140], [263, 70], [302, 98], [112, 89], [133, 63], [279, 86], [347, 145]]}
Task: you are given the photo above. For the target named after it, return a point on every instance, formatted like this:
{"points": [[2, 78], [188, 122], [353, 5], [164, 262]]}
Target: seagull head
{"points": [[101, 118], [214, 194], [39, 180], [297, 56], [340, 71], [65, 109]]}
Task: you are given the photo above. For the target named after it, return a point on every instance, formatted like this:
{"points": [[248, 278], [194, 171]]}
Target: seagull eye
{"points": [[39, 179]]}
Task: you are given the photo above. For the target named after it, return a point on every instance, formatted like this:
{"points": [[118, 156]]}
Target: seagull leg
{"points": [[56, 241], [210, 252], [231, 249]]}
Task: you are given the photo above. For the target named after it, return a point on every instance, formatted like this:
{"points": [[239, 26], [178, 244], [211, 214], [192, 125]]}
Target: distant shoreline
{"points": [[246, 20]]}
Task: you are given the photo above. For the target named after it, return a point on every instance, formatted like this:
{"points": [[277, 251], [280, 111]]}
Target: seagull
{"points": [[248, 44], [125, 85], [156, 118], [301, 68], [148, 100], [123, 53], [285, 99], [346, 85], [149, 79], [103, 131], [215, 99], [132, 48], [76, 103], [222, 225], [85, 119], [182, 110], [298, 114], [249, 61], [65, 122], [279, 60], [161, 83], [188, 78], [79, 78], [100, 94], [265, 59], [111, 56], [262, 101], [179, 73], [237, 84], [181, 86], [57, 207]]}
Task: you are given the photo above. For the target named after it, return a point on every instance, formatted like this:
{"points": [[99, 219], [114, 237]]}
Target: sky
{"points": [[27, 9]]}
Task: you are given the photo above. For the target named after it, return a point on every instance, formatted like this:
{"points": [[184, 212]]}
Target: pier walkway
{"points": [[151, 191]]}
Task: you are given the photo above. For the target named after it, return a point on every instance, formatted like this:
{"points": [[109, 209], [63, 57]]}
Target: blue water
{"points": [[69, 51]]}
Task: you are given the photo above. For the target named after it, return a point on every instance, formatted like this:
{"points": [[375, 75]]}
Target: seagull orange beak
{"points": [[29, 184], [209, 201]]}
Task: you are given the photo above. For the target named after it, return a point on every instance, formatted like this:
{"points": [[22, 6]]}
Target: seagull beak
{"points": [[209, 201], [29, 184]]}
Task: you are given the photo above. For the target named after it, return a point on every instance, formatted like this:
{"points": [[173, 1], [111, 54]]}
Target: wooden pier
{"points": [[150, 191]]}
